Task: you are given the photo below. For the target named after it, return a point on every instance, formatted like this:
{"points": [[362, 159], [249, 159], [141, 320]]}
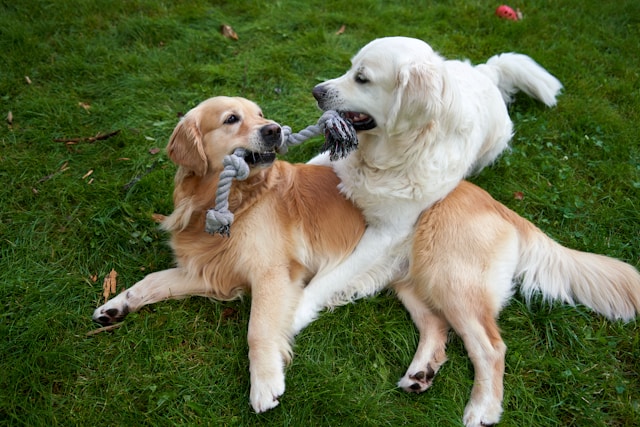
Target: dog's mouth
{"points": [[256, 158], [360, 121]]}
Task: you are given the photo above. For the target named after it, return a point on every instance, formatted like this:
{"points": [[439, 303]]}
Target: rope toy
{"points": [[340, 140], [219, 219]]}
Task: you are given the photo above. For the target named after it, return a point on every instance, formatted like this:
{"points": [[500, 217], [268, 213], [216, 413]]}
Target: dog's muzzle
{"points": [[271, 136]]}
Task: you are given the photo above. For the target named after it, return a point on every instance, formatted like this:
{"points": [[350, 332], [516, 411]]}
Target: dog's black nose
{"points": [[319, 92], [271, 134]]}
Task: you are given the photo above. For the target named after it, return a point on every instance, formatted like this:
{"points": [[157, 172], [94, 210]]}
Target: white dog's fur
{"points": [[424, 124], [437, 121]]}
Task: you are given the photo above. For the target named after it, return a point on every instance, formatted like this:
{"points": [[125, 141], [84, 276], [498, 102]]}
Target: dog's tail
{"points": [[513, 72], [606, 285]]}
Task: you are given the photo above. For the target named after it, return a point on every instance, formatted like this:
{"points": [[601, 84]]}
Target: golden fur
{"points": [[424, 123], [292, 226], [291, 223]]}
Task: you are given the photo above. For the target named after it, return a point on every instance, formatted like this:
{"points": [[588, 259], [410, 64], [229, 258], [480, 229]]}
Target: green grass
{"points": [[138, 64]]}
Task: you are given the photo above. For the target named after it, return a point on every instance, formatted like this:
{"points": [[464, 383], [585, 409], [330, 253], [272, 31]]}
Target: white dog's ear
{"points": [[186, 147], [418, 94]]}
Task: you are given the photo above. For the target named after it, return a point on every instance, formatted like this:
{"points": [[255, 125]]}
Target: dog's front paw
{"points": [[264, 395], [111, 312], [417, 382], [482, 415]]}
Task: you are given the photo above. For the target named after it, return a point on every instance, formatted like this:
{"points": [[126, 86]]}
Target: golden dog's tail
{"points": [[606, 285], [513, 72]]}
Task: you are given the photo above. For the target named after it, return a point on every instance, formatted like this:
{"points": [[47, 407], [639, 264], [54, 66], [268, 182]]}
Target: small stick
{"points": [[104, 329], [98, 137]]}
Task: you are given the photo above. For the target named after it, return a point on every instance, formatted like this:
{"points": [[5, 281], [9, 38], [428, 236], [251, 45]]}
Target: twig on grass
{"points": [[98, 137], [137, 178], [104, 329]]}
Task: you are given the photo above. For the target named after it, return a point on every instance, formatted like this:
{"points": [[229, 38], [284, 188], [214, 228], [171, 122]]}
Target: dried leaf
{"points": [[518, 195], [10, 118], [94, 278], [341, 30], [27, 79], [109, 284], [158, 218], [229, 313], [154, 151], [228, 32], [84, 105], [87, 174]]}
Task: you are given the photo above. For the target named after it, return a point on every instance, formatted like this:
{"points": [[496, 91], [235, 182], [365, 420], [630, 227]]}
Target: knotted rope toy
{"points": [[340, 140]]}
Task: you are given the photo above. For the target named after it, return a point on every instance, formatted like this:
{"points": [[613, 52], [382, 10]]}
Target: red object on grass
{"points": [[506, 12]]}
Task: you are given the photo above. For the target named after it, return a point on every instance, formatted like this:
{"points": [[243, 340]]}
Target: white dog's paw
{"points": [[482, 415], [417, 382], [111, 312], [306, 313], [264, 394]]}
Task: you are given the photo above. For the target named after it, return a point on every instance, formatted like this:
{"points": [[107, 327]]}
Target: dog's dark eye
{"points": [[360, 79], [231, 119]]}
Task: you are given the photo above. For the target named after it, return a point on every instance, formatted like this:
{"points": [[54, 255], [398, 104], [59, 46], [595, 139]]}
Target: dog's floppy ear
{"points": [[186, 146], [418, 94]]}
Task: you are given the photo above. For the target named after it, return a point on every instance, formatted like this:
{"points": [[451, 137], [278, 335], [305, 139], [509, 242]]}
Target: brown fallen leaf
{"points": [[518, 195], [228, 32], [94, 278], [341, 30], [10, 118], [109, 284], [229, 313], [84, 105], [158, 218], [154, 151]]}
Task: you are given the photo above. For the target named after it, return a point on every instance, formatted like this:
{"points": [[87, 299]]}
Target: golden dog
{"points": [[291, 223]]}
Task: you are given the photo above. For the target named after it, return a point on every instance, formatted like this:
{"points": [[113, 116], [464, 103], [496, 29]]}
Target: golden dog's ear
{"points": [[186, 147]]}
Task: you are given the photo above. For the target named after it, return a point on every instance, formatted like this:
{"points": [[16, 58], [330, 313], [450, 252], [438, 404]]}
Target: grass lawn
{"points": [[73, 210]]}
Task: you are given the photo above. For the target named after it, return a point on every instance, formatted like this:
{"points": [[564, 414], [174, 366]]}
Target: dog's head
{"points": [[219, 126], [393, 83]]}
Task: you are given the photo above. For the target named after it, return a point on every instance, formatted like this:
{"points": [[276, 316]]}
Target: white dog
{"points": [[424, 123]]}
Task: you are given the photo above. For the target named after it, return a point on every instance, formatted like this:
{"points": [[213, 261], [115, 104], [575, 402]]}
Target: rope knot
{"points": [[340, 140], [219, 219]]}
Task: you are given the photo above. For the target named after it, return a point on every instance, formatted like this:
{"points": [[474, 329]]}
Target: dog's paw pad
{"points": [[110, 316], [418, 382]]}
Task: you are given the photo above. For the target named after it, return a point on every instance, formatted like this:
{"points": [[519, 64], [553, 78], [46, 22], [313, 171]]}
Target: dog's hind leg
{"points": [[479, 331], [158, 286], [430, 354]]}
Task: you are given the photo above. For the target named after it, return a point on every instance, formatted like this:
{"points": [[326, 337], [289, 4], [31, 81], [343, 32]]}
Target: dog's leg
{"points": [[430, 354], [158, 286], [369, 263], [478, 329], [273, 302]]}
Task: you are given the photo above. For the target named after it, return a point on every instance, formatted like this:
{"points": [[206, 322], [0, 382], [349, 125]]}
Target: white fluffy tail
{"points": [[513, 72], [606, 285]]}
